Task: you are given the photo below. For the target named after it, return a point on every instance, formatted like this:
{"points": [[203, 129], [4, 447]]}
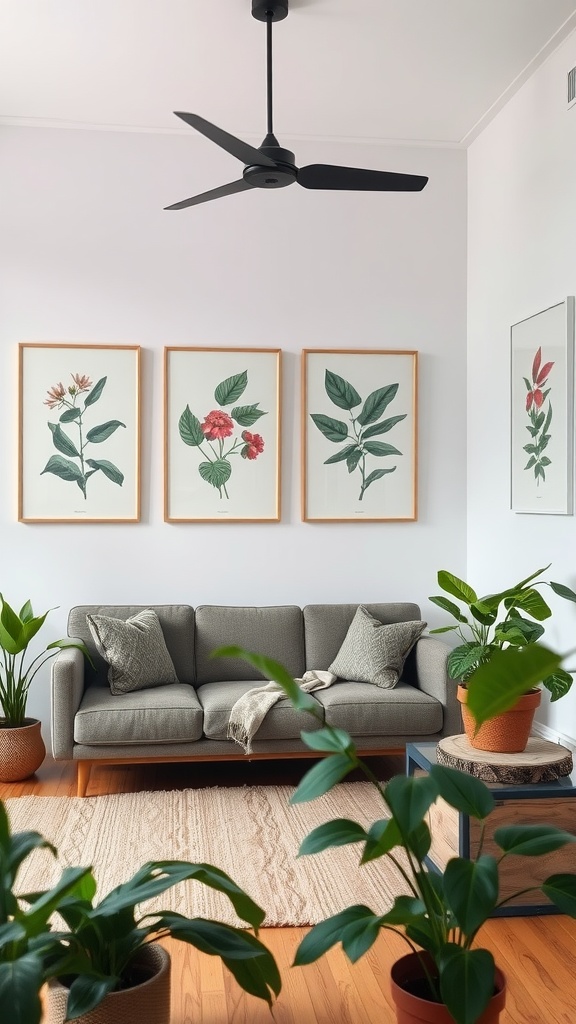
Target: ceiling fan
{"points": [[270, 166]]}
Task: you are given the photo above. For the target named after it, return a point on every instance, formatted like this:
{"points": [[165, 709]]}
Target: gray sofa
{"points": [[188, 720]]}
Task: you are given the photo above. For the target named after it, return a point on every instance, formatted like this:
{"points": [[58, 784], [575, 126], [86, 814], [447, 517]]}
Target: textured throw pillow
{"points": [[135, 650], [374, 652]]}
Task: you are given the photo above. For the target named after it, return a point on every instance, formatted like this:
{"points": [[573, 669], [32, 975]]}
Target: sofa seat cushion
{"points": [[366, 710], [169, 714], [283, 722]]}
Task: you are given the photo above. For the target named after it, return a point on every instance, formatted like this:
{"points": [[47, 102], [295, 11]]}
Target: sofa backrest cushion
{"points": [[326, 626], [276, 631], [177, 621]]}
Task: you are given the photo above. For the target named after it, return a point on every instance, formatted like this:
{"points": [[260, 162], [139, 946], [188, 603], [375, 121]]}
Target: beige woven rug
{"points": [[252, 833]]}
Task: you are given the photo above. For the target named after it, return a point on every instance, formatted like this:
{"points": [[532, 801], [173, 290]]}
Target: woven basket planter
{"points": [[504, 734], [413, 1009], [22, 750], [146, 1003]]}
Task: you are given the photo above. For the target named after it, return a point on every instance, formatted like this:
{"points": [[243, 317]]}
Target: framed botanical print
{"points": [[359, 435], [542, 411], [222, 435], [79, 433]]}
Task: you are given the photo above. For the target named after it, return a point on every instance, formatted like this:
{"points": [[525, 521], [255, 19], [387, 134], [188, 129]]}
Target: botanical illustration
{"points": [[357, 434], [75, 447], [539, 410], [215, 436]]}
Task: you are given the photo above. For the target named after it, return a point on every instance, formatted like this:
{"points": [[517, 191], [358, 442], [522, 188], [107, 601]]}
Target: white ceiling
{"points": [[427, 71]]}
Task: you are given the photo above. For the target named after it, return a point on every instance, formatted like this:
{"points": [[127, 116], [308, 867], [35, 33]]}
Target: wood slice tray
{"points": [[542, 761]]}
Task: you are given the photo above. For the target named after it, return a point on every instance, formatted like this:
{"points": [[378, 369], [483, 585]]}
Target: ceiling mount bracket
{"points": [[270, 10]]}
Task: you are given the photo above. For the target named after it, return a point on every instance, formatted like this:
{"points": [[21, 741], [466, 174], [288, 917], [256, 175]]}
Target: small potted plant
{"points": [[485, 625], [445, 978], [22, 748], [105, 967]]}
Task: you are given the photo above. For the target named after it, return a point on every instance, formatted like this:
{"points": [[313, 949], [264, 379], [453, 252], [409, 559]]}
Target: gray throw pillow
{"points": [[375, 652], [135, 650]]}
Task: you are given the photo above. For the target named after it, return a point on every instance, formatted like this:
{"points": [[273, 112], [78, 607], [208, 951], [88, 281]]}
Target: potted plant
{"points": [[486, 625], [446, 977], [105, 957], [22, 748]]}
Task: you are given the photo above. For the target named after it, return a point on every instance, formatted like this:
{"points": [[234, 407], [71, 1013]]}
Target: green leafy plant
{"points": [[357, 434], [16, 632], [94, 956], [68, 399], [441, 913], [511, 618], [539, 416]]}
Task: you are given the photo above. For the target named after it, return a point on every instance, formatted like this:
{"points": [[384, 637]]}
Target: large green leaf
{"points": [[532, 602], [19, 846], [109, 469], [405, 910], [409, 798], [376, 403], [340, 391], [383, 836], [86, 993], [496, 686], [558, 683], [62, 442], [231, 389], [334, 741], [12, 636], [466, 982], [344, 453], [43, 907], [448, 606], [561, 889], [97, 390], [215, 473], [532, 840], [519, 631], [464, 658], [69, 415], [563, 591], [359, 936], [333, 430], [189, 428], [471, 890], [246, 415], [380, 448], [383, 427], [353, 458], [456, 587], [463, 792], [271, 669], [63, 468], [103, 431], [338, 832], [20, 983], [323, 936], [322, 777], [376, 474]]}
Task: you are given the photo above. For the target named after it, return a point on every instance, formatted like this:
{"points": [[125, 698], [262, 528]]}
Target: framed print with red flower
{"points": [[221, 435], [542, 411], [79, 433], [359, 435]]}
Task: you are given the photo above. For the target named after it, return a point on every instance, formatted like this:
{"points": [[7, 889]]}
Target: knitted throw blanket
{"points": [[251, 709]]}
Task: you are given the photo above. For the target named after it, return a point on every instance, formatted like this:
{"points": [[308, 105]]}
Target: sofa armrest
{"points": [[67, 689], [431, 657]]}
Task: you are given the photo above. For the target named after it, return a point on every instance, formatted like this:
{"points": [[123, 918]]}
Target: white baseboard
{"points": [[555, 737]]}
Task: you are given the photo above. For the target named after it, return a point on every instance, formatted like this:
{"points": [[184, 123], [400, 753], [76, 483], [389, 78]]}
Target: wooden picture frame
{"points": [[79, 433], [222, 434], [365, 402]]}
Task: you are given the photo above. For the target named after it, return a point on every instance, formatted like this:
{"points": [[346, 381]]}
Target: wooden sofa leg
{"points": [[83, 777]]}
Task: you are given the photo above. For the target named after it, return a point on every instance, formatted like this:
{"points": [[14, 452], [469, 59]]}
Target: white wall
{"points": [[88, 255], [521, 259]]}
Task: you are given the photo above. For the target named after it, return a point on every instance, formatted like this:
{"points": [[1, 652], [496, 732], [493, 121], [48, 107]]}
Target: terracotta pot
{"points": [[22, 750], [411, 1009], [507, 733], [146, 1003]]}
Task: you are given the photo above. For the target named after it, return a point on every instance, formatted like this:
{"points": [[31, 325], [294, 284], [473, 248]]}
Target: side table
{"points": [[457, 835]]}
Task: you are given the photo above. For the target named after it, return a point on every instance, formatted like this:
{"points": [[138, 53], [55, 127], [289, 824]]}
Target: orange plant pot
{"points": [[507, 733], [22, 750], [411, 1009]]}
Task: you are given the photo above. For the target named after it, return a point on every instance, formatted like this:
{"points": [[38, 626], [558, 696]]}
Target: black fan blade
{"points": [[359, 180], [241, 150], [214, 193]]}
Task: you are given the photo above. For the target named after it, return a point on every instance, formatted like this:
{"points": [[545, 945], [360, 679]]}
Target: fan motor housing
{"points": [[283, 174], [270, 10]]}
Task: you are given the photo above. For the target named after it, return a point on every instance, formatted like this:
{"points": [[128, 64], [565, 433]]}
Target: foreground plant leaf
{"points": [[496, 686]]}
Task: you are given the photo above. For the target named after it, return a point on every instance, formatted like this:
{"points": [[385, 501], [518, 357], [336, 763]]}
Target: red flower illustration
{"points": [[56, 396], [539, 379], [254, 445], [216, 425]]}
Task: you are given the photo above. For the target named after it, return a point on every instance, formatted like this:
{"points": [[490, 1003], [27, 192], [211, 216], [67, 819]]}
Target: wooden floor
{"points": [[538, 954]]}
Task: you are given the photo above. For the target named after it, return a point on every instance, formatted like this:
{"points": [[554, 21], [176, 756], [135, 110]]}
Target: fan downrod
{"points": [[270, 10]]}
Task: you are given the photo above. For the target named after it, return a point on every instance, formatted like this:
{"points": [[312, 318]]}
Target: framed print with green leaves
{"points": [[221, 435], [79, 433], [542, 411], [359, 435]]}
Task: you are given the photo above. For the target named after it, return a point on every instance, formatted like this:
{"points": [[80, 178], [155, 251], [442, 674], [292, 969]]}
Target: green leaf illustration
{"points": [[109, 470], [96, 392], [527, 383], [353, 459], [343, 454], [333, 430], [380, 448], [62, 442], [376, 403], [63, 468], [382, 428], [229, 390], [103, 431], [69, 415], [189, 428], [377, 474], [246, 415], [340, 391], [215, 473]]}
